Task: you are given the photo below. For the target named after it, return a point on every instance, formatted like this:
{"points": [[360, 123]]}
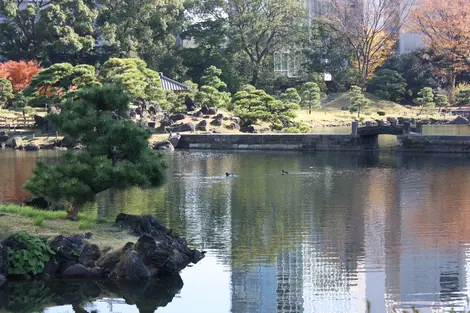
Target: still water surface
{"points": [[339, 229]]}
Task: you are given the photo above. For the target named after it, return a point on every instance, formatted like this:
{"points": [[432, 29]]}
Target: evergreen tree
{"points": [[441, 100], [253, 105], [358, 101], [291, 96], [425, 99], [6, 92], [116, 153], [212, 93], [388, 84], [463, 97], [52, 84], [310, 96]]}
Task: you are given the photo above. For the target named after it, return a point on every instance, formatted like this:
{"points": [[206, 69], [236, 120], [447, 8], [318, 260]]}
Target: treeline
{"points": [[270, 44]]}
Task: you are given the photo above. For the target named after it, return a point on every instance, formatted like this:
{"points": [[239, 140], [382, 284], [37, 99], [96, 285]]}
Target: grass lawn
{"points": [[15, 218], [332, 114]]}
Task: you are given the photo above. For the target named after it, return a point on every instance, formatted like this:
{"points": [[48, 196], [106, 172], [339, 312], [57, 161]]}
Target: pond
{"points": [[340, 228]]}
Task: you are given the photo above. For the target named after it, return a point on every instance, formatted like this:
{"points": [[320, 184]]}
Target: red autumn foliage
{"points": [[19, 73]]}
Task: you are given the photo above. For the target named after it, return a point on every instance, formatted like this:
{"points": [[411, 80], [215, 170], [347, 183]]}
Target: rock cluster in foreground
{"points": [[157, 253]]}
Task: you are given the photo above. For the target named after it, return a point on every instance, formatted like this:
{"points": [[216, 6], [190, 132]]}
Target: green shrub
{"points": [[30, 260], [381, 113], [388, 84], [38, 220]]}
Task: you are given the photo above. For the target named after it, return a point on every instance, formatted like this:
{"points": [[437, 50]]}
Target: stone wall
{"points": [[300, 142], [434, 143]]}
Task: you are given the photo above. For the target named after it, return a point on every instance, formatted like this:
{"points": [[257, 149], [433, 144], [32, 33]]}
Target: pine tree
{"points": [[463, 97], [212, 92], [291, 96], [6, 92], [116, 153], [358, 101], [425, 99], [311, 96], [441, 100]]}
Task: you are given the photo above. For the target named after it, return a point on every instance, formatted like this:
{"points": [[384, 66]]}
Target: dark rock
{"points": [[179, 128], [198, 114], [138, 111], [31, 147], [216, 131], [151, 124], [3, 280], [14, 142], [235, 119], [80, 271], [37, 202], [459, 120], [131, 267], [88, 235], [217, 122], [68, 142], [248, 129], [220, 116], [3, 260], [164, 123], [132, 114], [43, 124], [47, 146], [208, 111], [152, 110], [51, 269], [190, 105], [108, 261], [345, 108], [158, 243], [163, 145], [89, 255], [67, 249], [174, 140], [202, 125], [177, 117], [233, 126]]}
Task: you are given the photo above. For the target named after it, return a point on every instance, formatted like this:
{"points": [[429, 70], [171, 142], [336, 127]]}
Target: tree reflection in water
{"points": [[34, 296]]}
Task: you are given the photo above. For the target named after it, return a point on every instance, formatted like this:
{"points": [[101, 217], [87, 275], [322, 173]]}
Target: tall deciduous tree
{"points": [[33, 29], [260, 27], [116, 152], [139, 28], [445, 29], [311, 96], [371, 28]]}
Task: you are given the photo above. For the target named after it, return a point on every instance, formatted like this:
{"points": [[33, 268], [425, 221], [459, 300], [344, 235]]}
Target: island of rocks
{"points": [[157, 253]]}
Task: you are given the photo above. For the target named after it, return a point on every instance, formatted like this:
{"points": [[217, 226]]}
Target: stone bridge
{"points": [[396, 130]]}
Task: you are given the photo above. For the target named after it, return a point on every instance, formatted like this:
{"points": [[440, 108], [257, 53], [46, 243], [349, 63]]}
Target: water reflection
{"points": [[80, 296], [341, 228]]}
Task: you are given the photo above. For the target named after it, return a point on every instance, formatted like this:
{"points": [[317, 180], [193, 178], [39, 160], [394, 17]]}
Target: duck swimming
{"points": [[284, 172]]}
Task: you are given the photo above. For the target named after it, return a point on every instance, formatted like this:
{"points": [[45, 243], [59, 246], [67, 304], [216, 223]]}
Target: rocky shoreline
{"points": [[157, 253]]}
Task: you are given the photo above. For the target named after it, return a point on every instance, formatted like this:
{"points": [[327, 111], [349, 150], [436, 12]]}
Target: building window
{"points": [[287, 63]]}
